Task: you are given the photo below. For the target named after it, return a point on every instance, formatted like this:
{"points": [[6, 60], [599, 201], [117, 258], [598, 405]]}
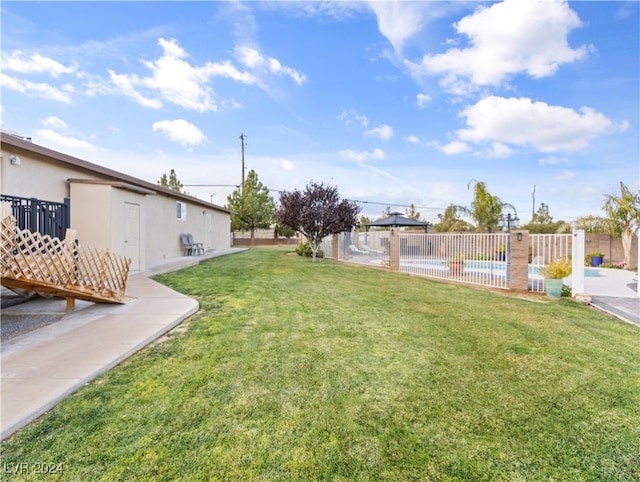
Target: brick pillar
{"points": [[394, 250], [519, 260], [334, 246]]}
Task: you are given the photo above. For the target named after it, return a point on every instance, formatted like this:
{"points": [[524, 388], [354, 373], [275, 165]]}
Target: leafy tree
{"points": [[485, 208], [449, 221], [286, 231], [251, 206], [364, 220], [317, 212], [542, 216], [412, 213], [171, 181], [542, 222]]}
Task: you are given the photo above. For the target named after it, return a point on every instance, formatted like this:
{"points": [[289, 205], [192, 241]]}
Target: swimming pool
{"points": [[496, 268]]}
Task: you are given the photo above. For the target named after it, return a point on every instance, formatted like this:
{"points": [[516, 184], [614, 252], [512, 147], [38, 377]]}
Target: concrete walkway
{"points": [[42, 367], [615, 291]]}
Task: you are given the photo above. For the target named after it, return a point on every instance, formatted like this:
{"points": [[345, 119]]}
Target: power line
{"points": [[378, 203], [398, 205], [211, 185]]}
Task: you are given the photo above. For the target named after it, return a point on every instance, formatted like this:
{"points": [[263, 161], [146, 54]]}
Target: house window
{"points": [[181, 210]]}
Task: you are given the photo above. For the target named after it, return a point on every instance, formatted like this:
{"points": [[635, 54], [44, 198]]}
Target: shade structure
{"points": [[396, 220]]}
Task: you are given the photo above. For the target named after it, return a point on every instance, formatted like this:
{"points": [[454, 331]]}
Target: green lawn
{"points": [[301, 371]]}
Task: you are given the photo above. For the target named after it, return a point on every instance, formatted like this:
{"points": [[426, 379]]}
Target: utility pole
{"points": [[533, 209], [242, 137]]}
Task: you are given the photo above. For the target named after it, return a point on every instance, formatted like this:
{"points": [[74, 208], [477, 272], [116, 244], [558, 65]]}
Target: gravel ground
{"points": [[21, 315]]}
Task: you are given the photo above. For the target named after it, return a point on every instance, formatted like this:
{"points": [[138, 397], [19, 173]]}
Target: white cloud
{"points": [[399, 21], [277, 68], [566, 175], [287, 165], [411, 139], [351, 116], [180, 131], [552, 160], [54, 122], [422, 100], [251, 58], [507, 38], [521, 121], [17, 61], [227, 69], [623, 126], [361, 156], [384, 132], [64, 143], [254, 60], [32, 89], [177, 81], [125, 85], [499, 150], [455, 147]]}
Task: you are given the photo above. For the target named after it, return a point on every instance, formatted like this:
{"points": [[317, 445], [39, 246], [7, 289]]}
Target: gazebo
{"points": [[396, 220]]}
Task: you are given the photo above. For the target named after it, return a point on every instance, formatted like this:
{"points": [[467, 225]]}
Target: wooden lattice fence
{"points": [[46, 265]]}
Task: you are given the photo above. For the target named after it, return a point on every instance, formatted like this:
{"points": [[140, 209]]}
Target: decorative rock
{"points": [[582, 298]]}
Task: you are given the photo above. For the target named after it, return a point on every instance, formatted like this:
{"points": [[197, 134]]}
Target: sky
{"points": [[393, 103]]}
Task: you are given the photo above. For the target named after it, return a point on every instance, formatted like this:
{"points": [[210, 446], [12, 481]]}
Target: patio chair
{"points": [[196, 248], [187, 245], [355, 250]]}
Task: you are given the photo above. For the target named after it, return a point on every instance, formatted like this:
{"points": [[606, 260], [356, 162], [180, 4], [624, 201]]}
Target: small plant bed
{"points": [[299, 371]]}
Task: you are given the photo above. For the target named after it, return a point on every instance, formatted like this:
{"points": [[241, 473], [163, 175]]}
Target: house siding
{"points": [[99, 197]]}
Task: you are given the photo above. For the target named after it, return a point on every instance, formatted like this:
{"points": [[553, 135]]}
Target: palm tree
{"points": [[623, 214], [622, 219], [485, 207]]}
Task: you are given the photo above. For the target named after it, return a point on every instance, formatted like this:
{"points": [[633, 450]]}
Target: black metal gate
{"points": [[44, 217]]}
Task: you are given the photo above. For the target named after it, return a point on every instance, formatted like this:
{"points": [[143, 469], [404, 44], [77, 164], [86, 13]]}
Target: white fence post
{"points": [[577, 261]]}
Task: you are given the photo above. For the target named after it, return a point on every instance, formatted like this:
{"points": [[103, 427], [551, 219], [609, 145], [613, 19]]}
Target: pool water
{"points": [[483, 266]]}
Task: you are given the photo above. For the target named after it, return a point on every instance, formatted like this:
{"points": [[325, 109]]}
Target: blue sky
{"points": [[392, 102]]}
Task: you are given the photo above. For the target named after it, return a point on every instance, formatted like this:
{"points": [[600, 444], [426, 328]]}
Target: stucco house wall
{"points": [[92, 206], [110, 209]]}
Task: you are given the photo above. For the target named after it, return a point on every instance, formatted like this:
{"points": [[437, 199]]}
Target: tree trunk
{"points": [[314, 250], [253, 239], [627, 238]]}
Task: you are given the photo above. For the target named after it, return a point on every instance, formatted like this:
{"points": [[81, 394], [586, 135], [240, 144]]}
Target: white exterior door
{"points": [[132, 234]]}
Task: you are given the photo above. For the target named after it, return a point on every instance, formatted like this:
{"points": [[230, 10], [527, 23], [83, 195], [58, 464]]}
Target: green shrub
{"points": [[305, 250], [566, 291]]}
